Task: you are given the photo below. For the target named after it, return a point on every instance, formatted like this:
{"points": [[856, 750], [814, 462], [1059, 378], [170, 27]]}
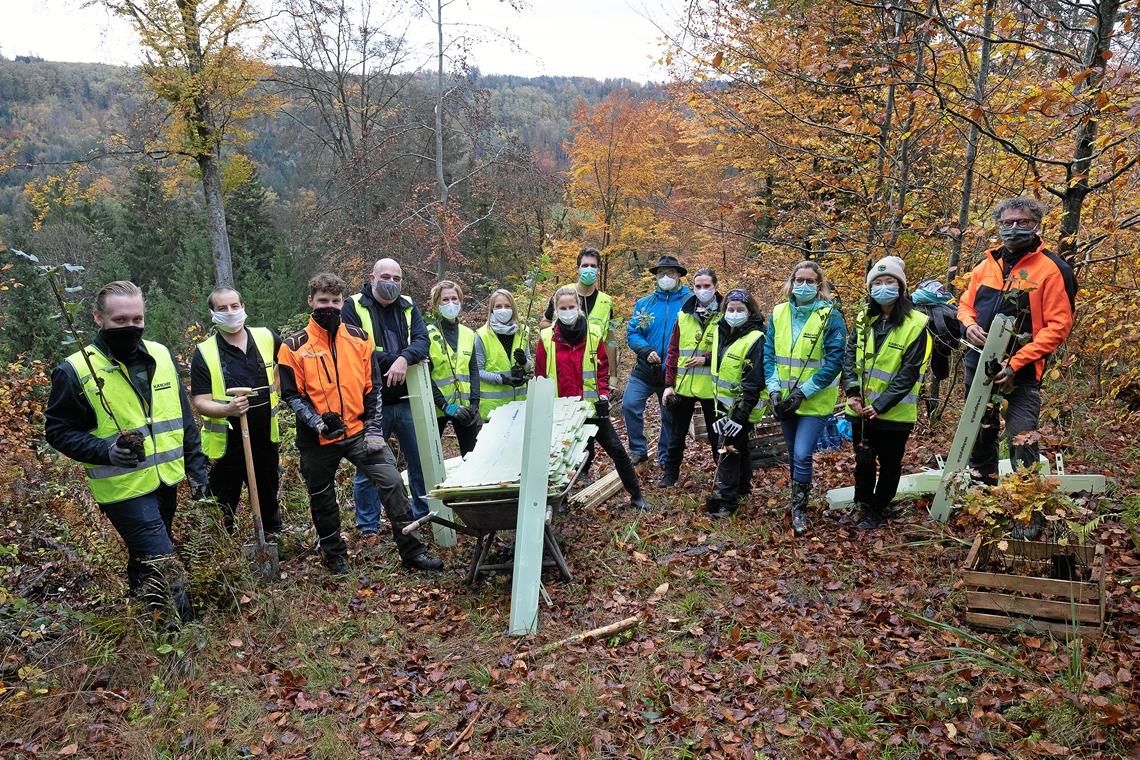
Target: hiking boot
{"points": [[636, 459], [425, 560], [337, 564], [871, 519], [800, 494], [667, 480]]}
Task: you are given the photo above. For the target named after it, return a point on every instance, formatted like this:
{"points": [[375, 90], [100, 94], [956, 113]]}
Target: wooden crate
{"points": [[1029, 599]]}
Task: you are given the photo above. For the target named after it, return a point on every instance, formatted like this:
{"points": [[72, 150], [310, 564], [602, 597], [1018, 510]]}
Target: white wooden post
{"points": [[531, 521], [427, 442]]}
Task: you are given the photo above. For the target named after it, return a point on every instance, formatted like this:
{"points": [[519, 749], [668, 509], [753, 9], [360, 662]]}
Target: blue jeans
{"points": [[801, 433], [398, 418], [637, 392]]}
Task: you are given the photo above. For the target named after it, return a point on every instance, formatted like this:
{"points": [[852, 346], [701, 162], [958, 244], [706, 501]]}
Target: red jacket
{"points": [[1039, 290], [568, 362]]}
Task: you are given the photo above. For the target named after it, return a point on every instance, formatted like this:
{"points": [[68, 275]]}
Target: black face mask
{"points": [[123, 341], [327, 317]]}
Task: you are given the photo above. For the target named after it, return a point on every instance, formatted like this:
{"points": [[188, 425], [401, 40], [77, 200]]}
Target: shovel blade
{"points": [[264, 559]]}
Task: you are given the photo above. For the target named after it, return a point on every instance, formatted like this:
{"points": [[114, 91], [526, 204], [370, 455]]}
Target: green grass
{"points": [[848, 716]]}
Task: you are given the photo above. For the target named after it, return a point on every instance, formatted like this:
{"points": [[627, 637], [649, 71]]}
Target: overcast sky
{"points": [[596, 38]]}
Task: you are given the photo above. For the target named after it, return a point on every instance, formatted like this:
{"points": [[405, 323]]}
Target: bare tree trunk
{"points": [[440, 177], [972, 146], [216, 218]]}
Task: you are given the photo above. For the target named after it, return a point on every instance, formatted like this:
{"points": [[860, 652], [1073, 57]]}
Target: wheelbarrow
{"points": [[483, 519]]}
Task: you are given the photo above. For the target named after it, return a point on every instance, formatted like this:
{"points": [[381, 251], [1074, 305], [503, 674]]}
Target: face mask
{"points": [[503, 316], [1017, 239], [123, 341], [450, 310], [327, 317], [706, 295], [736, 318], [805, 293], [228, 321], [386, 290], [568, 316], [884, 295], [587, 275], [666, 283]]}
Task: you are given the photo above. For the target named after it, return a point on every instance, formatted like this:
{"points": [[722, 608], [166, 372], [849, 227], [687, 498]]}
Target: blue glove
{"points": [[451, 409]]}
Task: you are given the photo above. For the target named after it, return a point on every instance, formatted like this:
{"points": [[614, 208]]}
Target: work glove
{"points": [[726, 427], [373, 443], [519, 376], [737, 412], [331, 425], [519, 357], [774, 403], [199, 491], [789, 405], [669, 401], [122, 454], [1003, 380], [505, 378], [466, 415], [602, 407]]}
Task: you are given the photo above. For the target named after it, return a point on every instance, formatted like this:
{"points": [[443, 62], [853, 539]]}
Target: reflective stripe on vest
{"points": [[215, 430], [589, 361], [796, 364], [162, 429], [887, 361], [494, 395], [728, 372], [450, 368], [602, 312], [365, 317], [695, 382]]}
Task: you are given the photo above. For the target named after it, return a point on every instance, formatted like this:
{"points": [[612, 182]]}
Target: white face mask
{"points": [[449, 310], [666, 283], [503, 316], [706, 295], [736, 318], [568, 316], [229, 321]]}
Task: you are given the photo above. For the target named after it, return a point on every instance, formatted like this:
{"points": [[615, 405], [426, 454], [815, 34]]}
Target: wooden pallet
{"points": [[1029, 599]]}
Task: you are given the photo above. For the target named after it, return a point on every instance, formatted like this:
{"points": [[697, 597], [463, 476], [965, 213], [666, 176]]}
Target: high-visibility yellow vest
{"points": [[366, 319], [215, 429], [160, 425], [450, 368], [796, 364], [589, 361], [601, 314], [494, 395], [876, 367], [695, 382], [728, 371]]}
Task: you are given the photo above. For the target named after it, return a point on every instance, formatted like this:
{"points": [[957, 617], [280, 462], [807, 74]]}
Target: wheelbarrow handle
{"points": [[417, 523]]}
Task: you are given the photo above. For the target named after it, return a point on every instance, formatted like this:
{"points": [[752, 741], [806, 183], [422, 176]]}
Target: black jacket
{"points": [[390, 325], [69, 418], [752, 378], [903, 380]]}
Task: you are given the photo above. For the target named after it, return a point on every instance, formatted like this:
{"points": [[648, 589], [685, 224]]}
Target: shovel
{"points": [[261, 554]]}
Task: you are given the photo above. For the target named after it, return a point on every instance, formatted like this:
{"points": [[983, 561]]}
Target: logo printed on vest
{"points": [[162, 387]]}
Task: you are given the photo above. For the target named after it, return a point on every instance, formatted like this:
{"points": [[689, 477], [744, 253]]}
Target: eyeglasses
{"points": [[1024, 224], [804, 281], [390, 277]]}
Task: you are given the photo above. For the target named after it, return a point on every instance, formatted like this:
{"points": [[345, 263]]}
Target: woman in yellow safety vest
{"points": [[688, 371], [803, 354], [453, 350], [505, 365], [738, 372], [887, 353]]}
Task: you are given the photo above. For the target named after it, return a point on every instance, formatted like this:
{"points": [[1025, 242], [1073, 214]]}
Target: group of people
{"points": [[118, 406]]}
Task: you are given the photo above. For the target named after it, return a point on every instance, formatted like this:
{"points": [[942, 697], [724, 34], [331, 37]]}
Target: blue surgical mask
{"points": [[587, 275], [735, 318], [884, 295], [449, 310], [805, 293], [504, 316]]}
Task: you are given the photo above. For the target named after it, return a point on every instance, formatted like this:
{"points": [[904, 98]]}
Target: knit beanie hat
{"points": [[891, 265]]}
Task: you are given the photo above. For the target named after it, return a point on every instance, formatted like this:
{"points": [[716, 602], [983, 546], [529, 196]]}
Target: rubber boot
{"points": [[800, 494], [873, 517], [638, 501]]}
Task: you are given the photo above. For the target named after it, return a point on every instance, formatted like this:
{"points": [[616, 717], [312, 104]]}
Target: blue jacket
{"points": [[834, 341], [649, 329]]}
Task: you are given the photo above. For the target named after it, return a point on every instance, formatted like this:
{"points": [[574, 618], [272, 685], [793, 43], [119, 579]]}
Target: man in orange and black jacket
{"points": [[330, 378], [1035, 286]]}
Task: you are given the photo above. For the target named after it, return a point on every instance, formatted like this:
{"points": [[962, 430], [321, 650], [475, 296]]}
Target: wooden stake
{"points": [[598, 491]]}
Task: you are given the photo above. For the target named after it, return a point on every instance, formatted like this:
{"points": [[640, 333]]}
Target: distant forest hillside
{"points": [[59, 112]]}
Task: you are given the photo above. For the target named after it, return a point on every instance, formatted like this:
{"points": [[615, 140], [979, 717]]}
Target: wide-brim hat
{"points": [[668, 262]]}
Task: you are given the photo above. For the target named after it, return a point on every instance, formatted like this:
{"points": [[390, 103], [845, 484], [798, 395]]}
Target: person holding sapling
{"points": [[571, 353], [456, 352], [887, 353], [330, 377], [117, 407], [738, 373], [506, 364], [803, 354]]}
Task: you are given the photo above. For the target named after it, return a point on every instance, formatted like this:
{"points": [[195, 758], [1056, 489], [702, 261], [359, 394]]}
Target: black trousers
{"points": [[878, 449], [608, 439], [1023, 408], [228, 475], [318, 468], [681, 414], [734, 471], [465, 434]]}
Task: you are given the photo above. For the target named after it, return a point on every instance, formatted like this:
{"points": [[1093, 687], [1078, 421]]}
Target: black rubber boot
{"points": [[667, 480], [638, 501], [800, 494], [873, 517]]}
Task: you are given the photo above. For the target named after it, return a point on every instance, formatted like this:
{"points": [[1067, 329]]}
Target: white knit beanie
{"points": [[891, 265]]}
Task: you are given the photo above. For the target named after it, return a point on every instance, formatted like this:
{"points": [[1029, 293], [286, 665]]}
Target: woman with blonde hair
{"points": [[505, 363], [803, 355], [453, 349]]}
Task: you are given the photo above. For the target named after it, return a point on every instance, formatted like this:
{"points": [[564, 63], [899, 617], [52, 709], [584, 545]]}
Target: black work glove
{"points": [[505, 378], [123, 454], [520, 357], [789, 405], [332, 425], [671, 401], [199, 491], [466, 415], [774, 403], [519, 376], [602, 407], [737, 413]]}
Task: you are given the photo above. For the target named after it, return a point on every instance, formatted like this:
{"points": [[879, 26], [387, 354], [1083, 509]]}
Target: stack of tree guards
{"points": [[493, 470]]}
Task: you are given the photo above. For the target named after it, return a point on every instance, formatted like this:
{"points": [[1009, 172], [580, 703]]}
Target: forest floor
{"points": [[752, 642]]}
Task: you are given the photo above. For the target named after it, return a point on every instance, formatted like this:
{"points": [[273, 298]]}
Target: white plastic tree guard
{"points": [[428, 444], [536, 451]]}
